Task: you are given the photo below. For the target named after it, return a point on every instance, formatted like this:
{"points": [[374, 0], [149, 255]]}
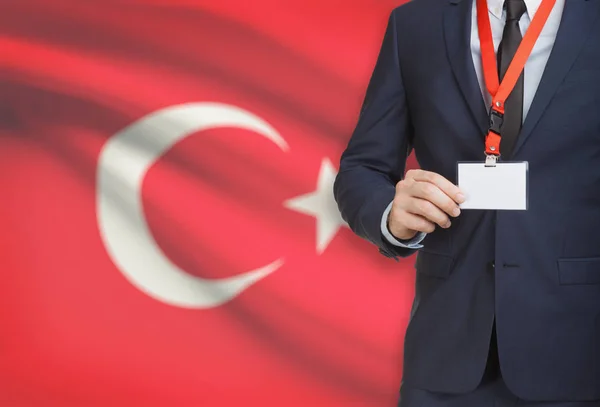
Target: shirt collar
{"points": [[495, 7]]}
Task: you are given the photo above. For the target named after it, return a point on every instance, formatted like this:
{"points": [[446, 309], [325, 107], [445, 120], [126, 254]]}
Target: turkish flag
{"points": [[168, 231]]}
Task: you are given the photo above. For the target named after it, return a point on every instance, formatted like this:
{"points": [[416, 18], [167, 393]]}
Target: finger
{"points": [[429, 211], [418, 223], [442, 183], [430, 192]]}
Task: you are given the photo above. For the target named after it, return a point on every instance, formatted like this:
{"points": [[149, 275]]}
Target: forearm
{"points": [[363, 195]]}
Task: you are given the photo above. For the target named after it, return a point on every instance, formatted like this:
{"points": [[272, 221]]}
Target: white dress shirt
{"points": [[534, 68]]}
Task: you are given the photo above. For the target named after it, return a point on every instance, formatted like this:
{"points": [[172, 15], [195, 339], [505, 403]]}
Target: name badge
{"points": [[502, 186]]}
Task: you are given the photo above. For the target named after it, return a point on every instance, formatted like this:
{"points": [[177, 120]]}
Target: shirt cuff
{"points": [[413, 243]]}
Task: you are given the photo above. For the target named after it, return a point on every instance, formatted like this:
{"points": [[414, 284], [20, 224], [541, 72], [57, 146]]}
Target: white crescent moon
{"points": [[122, 166]]}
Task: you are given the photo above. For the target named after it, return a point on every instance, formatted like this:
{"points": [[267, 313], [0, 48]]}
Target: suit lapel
{"points": [[457, 34], [576, 24]]}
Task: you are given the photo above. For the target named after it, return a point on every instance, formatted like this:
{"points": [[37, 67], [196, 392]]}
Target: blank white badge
{"points": [[501, 187]]}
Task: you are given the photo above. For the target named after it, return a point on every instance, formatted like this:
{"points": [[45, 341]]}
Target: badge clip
{"points": [[490, 160]]}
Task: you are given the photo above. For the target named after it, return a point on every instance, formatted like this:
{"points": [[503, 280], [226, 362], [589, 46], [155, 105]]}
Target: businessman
{"points": [[507, 304]]}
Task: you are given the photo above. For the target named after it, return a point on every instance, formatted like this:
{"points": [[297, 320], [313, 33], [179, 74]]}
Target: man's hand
{"points": [[423, 199]]}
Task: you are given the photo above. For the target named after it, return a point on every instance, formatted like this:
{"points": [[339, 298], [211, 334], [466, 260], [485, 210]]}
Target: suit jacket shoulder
{"points": [[417, 23]]}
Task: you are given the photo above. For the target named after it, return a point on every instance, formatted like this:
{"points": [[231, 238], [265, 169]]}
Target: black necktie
{"points": [[513, 107]]}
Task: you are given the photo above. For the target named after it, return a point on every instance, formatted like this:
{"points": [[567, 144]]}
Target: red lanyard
{"points": [[501, 91]]}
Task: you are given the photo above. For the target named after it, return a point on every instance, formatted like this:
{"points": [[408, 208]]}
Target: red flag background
{"points": [[152, 152]]}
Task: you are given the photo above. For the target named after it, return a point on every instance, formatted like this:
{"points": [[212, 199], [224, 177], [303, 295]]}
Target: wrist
{"points": [[401, 233]]}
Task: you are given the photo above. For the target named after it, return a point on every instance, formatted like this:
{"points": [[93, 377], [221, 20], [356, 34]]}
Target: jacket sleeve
{"points": [[375, 158]]}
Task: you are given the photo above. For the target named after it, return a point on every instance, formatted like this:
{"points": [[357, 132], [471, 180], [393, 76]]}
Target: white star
{"points": [[321, 204]]}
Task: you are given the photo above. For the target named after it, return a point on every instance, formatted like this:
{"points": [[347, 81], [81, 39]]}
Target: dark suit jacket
{"points": [[545, 289]]}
